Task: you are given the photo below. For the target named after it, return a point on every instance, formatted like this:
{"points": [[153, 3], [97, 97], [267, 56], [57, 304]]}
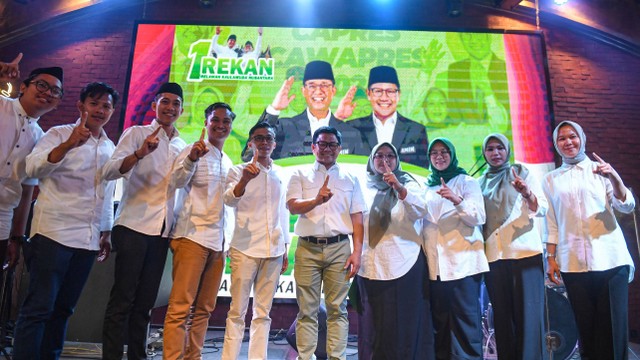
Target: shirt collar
{"points": [[390, 121], [103, 134], [313, 118], [155, 124], [20, 110], [319, 167]]}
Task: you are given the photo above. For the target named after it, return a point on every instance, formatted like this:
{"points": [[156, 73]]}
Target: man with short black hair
{"points": [[198, 239], [330, 204], [256, 191], [71, 223], [143, 158], [385, 124], [40, 93]]}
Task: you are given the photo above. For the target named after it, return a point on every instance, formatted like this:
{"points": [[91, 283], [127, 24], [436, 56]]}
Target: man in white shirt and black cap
{"points": [[294, 135], [143, 158], [385, 124]]}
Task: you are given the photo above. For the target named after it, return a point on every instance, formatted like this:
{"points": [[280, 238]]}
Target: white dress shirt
{"points": [[19, 133], [74, 204], [147, 201], [452, 234], [398, 249], [384, 131], [519, 236], [222, 51], [333, 217], [202, 216], [262, 218], [581, 221]]}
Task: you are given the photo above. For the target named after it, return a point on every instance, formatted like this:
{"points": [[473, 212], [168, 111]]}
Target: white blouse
{"points": [[581, 221], [399, 247], [452, 235]]}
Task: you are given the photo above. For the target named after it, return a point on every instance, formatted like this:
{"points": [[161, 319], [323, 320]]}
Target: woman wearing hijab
{"points": [[512, 199], [455, 253], [586, 246], [393, 267]]}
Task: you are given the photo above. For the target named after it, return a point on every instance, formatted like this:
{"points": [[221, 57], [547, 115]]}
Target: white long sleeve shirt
{"points": [[223, 51], [399, 248], [519, 236], [74, 204], [202, 216], [333, 217], [147, 200], [262, 218], [581, 222], [19, 133], [452, 235]]}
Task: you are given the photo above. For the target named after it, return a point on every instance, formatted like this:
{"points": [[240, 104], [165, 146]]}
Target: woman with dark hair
{"points": [[586, 246], [393, 268], [512, 199], [455, 253]]}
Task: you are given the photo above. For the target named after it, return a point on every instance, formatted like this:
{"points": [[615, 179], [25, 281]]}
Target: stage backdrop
{"points": [[461, 85]]}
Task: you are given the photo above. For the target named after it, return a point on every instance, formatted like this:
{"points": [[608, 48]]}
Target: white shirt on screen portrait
{"points": [[19, 133], [384, 131], [333, 217], [202, 216], [581, 221], [399, 248], [147, 201], [74, 204], [262, 218], [452, 234]]}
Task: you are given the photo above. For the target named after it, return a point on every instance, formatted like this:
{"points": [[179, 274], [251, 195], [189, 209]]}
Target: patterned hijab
{"points": [[451, 171], [385, 199], [583, 142], [499, 195]]}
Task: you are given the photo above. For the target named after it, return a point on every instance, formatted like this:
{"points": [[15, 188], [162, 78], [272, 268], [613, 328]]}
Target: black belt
{"points": [[324, 240]]}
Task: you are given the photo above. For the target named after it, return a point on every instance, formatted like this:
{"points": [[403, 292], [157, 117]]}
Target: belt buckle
{"points": [[322, 240]]}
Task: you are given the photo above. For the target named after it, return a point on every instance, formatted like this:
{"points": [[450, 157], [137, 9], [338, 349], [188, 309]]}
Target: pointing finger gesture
{"points": [[150, 143], [199, 148], [80, 133], [11, 70], [448, 194], [324, 194]]}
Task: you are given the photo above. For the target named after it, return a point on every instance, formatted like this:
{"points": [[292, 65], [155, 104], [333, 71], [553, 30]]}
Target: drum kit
{"points": [[561, 329]]}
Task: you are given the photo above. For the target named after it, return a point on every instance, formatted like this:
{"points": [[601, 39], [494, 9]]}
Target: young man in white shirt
{"points": [[144, 158], [330, 204], [198, 239], [19, 132], [72, 222], [256, 192]]}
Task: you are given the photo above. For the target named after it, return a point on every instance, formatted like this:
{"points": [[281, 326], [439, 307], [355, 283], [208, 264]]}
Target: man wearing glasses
{"points": [[19, 132], [256, 191], [330, 204], [385, 124], [318, 89]]}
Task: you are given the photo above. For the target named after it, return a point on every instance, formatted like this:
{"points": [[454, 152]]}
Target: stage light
{"points": [[560, 2], [454, 8], [207, 3]]}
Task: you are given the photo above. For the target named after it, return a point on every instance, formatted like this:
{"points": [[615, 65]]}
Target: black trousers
{"points": [[457, 318], [600, 302], [516, 289], [400, 313], [139, 265]]}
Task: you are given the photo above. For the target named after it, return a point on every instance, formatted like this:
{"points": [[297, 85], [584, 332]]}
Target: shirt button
{"points": [[22, 130], [8, 162], [17, 146]]}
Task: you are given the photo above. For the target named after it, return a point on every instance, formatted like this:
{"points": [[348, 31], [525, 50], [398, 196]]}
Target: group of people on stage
{"points": [[418, 252]]}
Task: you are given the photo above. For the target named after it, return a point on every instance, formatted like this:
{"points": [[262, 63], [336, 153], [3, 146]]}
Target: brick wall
{"points": [[591, 82]]}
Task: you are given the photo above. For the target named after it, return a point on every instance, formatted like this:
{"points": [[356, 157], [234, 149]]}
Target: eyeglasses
{"points": [[384, 156], [323, 145], [442, 153], [313, 87], [43, 87], [260, 138], [377, 92]]}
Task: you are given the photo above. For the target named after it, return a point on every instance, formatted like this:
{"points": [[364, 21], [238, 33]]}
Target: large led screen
{"points": [[460, 85]]}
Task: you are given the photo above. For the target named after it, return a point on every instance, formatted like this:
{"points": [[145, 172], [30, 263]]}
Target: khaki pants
{"points": [[197, 273]]}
